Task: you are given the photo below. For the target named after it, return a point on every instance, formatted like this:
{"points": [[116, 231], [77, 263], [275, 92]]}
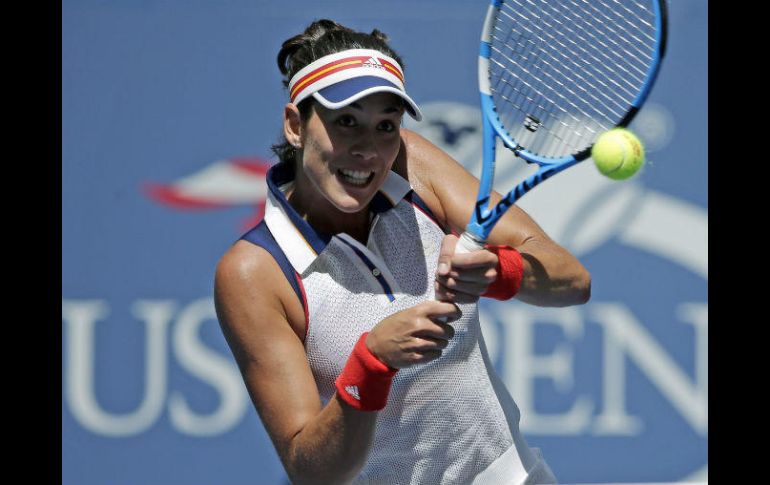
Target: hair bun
{"points": [[305, 41], [379, 36]]}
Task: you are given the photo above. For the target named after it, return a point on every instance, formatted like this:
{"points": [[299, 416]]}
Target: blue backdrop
{"points": [[168, 111]]}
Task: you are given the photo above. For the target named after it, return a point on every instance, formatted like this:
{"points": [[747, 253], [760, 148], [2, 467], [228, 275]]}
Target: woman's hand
{"points": [[413, 336], [463, 277]]}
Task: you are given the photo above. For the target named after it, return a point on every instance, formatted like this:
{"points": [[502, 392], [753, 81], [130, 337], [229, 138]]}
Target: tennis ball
{"points": [[618, 154]]}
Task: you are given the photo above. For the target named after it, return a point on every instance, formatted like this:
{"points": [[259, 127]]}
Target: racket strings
{"points": [[591, 92], [583, 53], [516, 96], [562, 73], [605, 104], [522, 94], [556, 91], [564, 49], [554, 80], [607, 29], [633, 36], [545, 72]]}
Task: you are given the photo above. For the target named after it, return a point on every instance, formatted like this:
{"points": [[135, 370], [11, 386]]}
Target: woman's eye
{"points": [[387, 126], [346, 121]]}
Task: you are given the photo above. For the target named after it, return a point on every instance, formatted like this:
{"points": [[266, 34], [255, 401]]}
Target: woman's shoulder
{"points": [[422, 163], [244, 262], [249, 279]]}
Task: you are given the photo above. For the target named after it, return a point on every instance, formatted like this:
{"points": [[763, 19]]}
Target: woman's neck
{"points": [[325, 217]]}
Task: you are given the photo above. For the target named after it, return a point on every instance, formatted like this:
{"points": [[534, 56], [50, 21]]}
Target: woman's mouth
{"points": [[359, 178]]}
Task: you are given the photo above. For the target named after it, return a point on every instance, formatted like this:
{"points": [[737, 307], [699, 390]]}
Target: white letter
{"points": [[523, 366], [210, 367], [81, 317], [697, 314], [624, 334], [613, 420]]}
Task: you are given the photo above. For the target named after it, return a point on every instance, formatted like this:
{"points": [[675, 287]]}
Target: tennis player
{"points": [[354, 324]]}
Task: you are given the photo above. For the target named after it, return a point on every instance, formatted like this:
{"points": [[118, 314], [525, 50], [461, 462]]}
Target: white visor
{"points": [[339, 79]]}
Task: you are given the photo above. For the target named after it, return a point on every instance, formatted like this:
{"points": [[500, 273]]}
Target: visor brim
{"points": [[343, 93]]}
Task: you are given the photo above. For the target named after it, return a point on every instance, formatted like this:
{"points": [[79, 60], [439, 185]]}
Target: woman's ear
{"points": [[292, 125]]}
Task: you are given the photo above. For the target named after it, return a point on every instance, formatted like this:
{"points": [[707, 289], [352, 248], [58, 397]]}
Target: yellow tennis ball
{"points": [[618, 154]]}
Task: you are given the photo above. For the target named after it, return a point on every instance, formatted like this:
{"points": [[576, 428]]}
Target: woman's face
{"points": [[348, 152]]}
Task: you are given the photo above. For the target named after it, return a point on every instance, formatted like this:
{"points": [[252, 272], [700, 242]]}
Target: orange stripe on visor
{"points": [[324, 71]]}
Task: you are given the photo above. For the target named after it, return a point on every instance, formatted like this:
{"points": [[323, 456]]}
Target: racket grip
{"points": [[467, 244]]}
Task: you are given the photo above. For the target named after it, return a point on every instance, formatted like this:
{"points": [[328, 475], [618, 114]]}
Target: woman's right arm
{"points": [[261, 318], [254, 305]]}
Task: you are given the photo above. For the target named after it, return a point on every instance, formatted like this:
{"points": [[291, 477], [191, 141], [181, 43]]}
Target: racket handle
{"points": [[467, 244]]}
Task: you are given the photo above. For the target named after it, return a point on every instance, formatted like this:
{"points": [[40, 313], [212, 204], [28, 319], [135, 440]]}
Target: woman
{"points": [[354, 324]]}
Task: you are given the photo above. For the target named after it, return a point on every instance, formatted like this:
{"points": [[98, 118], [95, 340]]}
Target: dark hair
{"points": [[321, 38]]}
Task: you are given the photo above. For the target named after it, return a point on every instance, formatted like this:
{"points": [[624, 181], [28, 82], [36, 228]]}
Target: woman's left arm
{"points": [[552, 276]]}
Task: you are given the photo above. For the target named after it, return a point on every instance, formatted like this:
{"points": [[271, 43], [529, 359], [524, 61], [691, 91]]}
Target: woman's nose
{"points": [[364, 147]]}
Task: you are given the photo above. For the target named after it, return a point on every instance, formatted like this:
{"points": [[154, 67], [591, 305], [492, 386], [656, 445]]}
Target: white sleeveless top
{"points": [[449, 421]]}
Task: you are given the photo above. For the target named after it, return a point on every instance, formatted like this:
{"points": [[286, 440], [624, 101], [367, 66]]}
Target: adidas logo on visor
{"points": [[373, 62]]}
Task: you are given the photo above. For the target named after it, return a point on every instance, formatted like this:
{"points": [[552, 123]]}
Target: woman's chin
{"points": [[350, 205]]}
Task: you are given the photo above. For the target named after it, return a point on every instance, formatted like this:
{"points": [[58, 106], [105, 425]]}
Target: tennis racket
{"points": [[553, 76]]}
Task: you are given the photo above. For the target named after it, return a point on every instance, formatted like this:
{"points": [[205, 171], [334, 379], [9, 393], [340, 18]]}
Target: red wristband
{"points": [[365, 381], [510, 271]]}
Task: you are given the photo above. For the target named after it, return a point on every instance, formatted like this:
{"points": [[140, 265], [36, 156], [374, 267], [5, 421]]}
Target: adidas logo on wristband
{"points": [[364, 383], [353, 391]]}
